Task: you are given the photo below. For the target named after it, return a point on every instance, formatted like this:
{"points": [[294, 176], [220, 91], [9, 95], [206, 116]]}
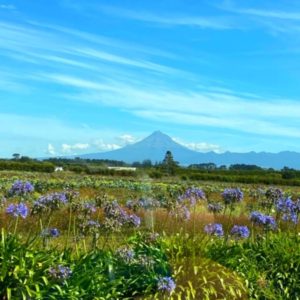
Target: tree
{"points": [[16, 156], [169, 165]]}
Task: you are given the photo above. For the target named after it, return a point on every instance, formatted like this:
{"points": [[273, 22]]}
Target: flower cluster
{"points": [[49, 202], [116, 216], [268, 222], [89, 227], [182, 212], [240, 231], [214, 229], [231, 196], [20, 188], [17, 210], [274, 194], [289, 209], [215, 207], [192, 195], [145, 203], [60, 272], [50, 232], [126, 254], [166, 284]]}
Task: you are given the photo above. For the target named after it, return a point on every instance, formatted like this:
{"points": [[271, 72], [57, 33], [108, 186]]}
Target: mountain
{"points": [[153, 147], [157, 144]]}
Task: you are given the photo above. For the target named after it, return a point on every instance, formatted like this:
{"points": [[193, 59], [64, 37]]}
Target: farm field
{"points": [[68, 236]]}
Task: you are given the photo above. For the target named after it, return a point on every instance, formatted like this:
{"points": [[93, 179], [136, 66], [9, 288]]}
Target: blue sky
{"points": [[89, 76]]}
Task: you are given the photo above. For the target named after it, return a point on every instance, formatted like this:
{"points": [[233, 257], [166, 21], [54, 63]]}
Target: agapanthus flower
{"points": [[182, 212], [116, 217], [145, 260], [50, 232], [166, 284], [192, 195], [231, 196], [126, 254], [20, 188], [289, 209], [274, 194], [49, 202], [215, 207], [240, 231], [60, 272], [214, 229], [134, 220], [90, 207], [17, 210], [148, 203], [264, 220]]}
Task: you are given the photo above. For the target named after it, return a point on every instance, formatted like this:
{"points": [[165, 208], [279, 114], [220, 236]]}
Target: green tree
{"points": [[16, 156], [169, 165]]}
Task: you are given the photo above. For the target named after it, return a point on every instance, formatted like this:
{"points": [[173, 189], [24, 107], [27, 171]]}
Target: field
{"points": [[68, 236]]}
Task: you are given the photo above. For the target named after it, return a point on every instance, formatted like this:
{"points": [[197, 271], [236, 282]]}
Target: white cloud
{"points": [[66, 148], [50, 150], [126, 139], [102, 146], [200, 147]]}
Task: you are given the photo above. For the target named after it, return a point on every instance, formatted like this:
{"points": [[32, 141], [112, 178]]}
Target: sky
{"points": [[90, 76]]}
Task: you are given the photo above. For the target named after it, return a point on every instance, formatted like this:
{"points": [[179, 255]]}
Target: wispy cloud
{"points": [[221, 109], [7, 6], [220, 23]]}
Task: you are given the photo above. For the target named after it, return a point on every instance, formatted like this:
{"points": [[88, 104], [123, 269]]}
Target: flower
{"points": [[289, 209], [240, 231], [49, 202], [166, 284], [215, 207], [274, 194], [232, 196], [135, 220], [260, 219], [17, 210], [60, 272], [126, 254], [192, 195], [50, 232], [21, 188], [214, 229]]}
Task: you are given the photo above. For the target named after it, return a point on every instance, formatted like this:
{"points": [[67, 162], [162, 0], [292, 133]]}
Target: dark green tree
{"points": [[169, 165]]}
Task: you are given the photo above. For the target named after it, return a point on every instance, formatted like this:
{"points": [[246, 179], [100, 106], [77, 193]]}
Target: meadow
{"points": [[72, 236]]}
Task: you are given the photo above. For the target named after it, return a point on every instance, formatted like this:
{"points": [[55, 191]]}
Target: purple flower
{"points": [[50, 232], [20, 188], [17, 210], [192, 195], [135, 220], [214, 229], [215, 207], [232, 196], [166, 284], [89, 208], [260, 219], [240, 231], [49, 202], [274, 194], [288, 209], [60, 272], [126, 254]]}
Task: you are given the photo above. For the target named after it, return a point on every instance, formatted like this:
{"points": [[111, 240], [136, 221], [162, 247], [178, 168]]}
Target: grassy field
{"points": [[68, 236]]}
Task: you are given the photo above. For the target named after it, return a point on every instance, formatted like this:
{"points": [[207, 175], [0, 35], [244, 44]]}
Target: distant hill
{"points": [[155, 146]]}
